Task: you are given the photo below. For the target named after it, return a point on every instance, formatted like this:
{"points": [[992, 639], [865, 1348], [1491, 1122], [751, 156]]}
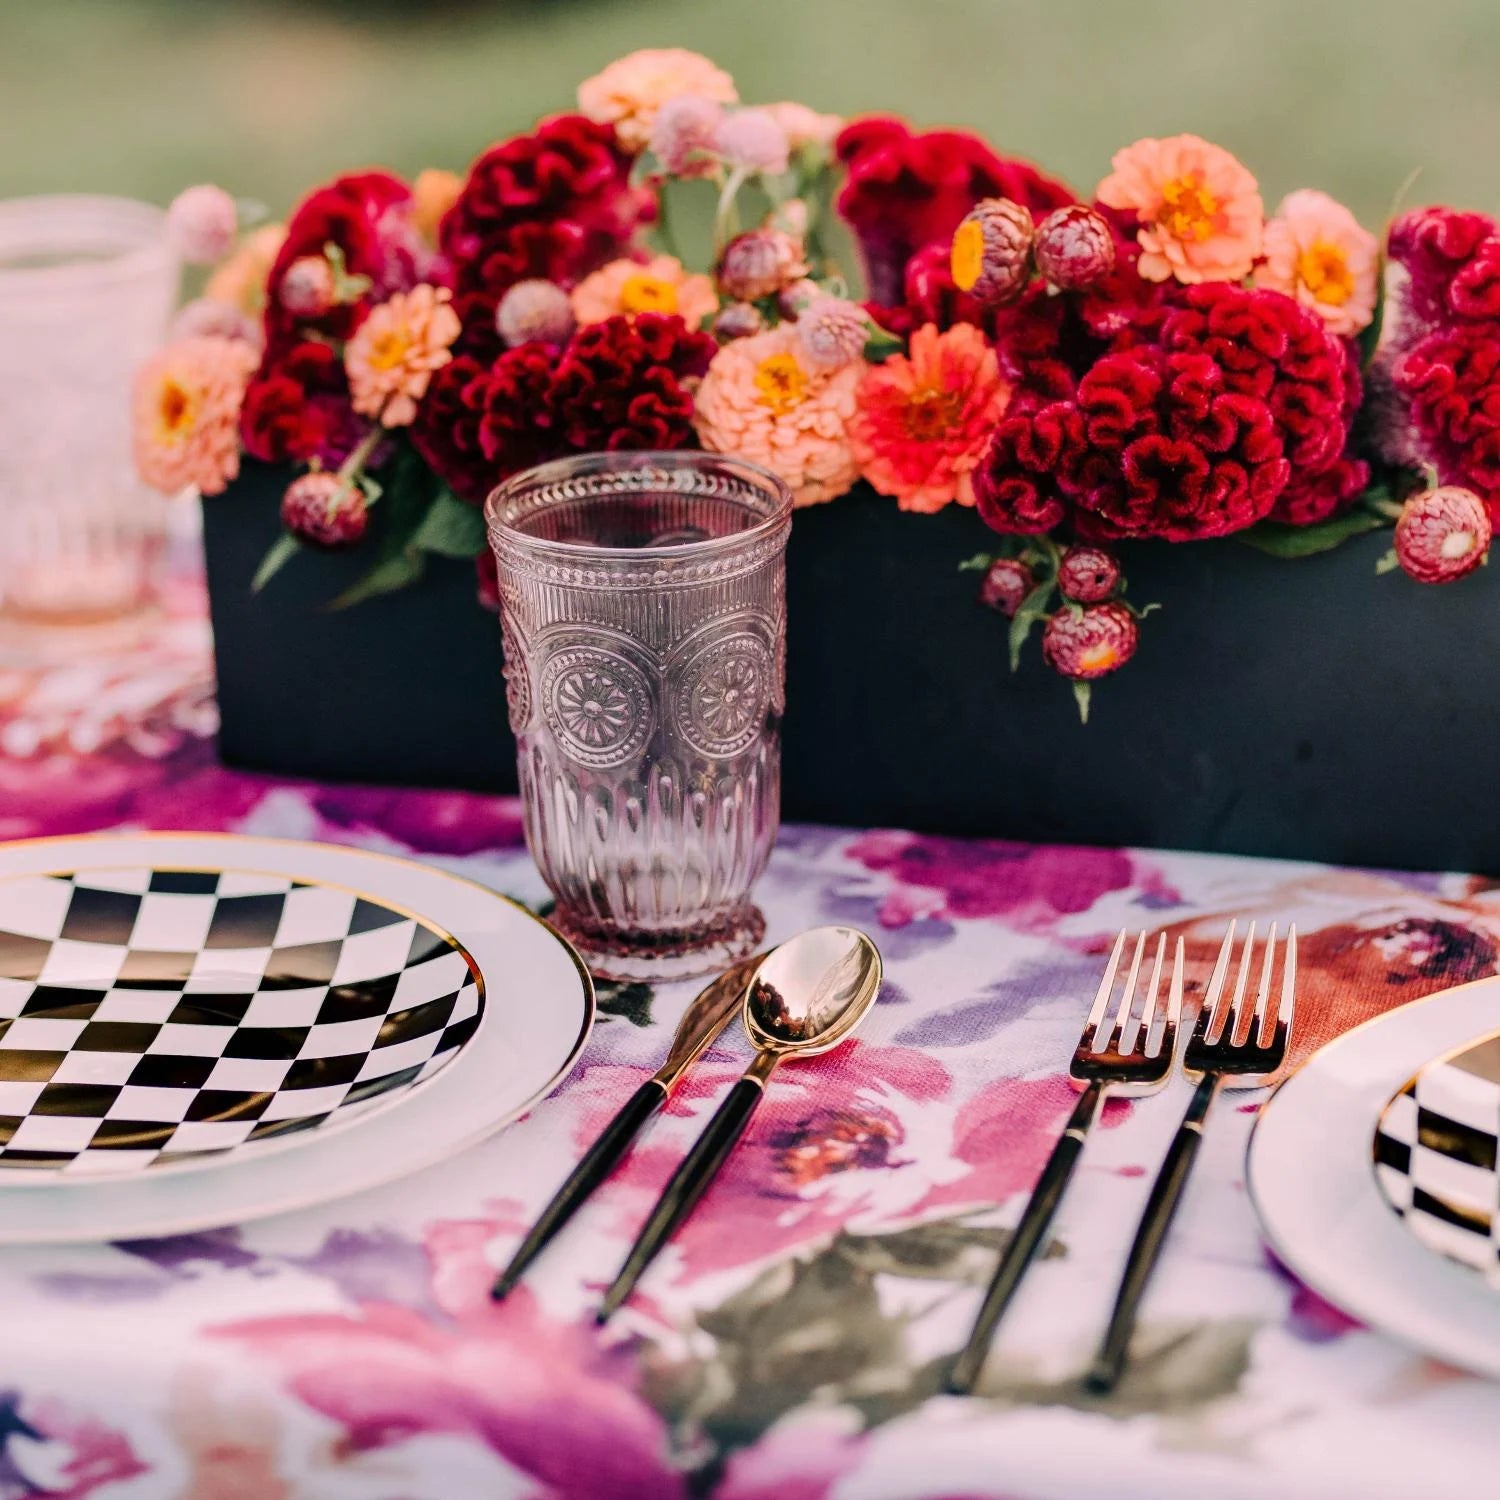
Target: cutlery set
{"points": [[807, 996]]}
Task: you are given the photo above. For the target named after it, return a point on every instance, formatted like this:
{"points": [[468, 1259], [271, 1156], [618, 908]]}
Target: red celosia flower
{"points": [[552, 204], [618, 384], [1450, 381], [368, 216], [297, 407], [1193, 433], [1450, 259], [447, 431], [907, 190]]}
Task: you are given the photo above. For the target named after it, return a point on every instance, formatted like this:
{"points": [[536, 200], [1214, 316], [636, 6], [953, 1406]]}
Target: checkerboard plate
{"points": [[1436, 1156], [156, 1018]]}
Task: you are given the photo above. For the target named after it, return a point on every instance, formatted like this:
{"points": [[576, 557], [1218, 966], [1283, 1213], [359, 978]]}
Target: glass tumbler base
{"points": [[656, 958]]}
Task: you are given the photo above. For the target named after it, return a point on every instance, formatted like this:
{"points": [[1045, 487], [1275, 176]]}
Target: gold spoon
{"points": [[806, 997], [701, 1022]]}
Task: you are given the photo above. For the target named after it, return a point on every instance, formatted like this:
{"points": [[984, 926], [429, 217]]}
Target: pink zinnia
{"points": [[659, 285], [1201, 216], [391, 358], [753, 141], [1319, 253], [186, 414], [630, 91], [683, 135], [804, 126], [924, 419], [761, 400]]}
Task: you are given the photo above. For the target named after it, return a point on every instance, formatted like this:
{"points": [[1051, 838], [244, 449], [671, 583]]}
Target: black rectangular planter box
{"points": [[1307, 709]]}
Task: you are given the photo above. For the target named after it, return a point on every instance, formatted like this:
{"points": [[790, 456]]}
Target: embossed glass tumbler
{"points": [[643, 604]]}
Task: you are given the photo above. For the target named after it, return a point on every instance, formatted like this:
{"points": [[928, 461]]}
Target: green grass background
{"points": [[144, 96]]}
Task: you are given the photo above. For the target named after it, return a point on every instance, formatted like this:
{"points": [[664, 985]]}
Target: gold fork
{"points": [[1225, 1043], [1131, 1057]]}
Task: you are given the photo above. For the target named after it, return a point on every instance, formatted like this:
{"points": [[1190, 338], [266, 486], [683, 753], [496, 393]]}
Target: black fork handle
{"points": [[1026, 1239], [1150, 1236]]}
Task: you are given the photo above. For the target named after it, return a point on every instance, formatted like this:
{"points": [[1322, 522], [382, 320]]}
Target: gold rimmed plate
{"points": [[175, 1003]]}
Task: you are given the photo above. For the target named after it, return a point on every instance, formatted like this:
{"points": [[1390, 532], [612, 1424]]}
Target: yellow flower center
{"points": [[643, 293], [781, 382], [1188, 210], [1099, 658], [966, 259], [931, 412], [175, 409], [1323, 269], [389, 349]]}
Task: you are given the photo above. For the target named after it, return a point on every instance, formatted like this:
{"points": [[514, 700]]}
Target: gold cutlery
{"points": [[1223, 1045], [701, 1023], [805, 998], [1133, 1056]]}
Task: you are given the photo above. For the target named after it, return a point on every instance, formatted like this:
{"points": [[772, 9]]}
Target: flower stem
{"points": [[726, 216], [352, 467]]}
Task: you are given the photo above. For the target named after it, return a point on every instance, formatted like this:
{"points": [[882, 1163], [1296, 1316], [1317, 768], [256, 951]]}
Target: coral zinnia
{"points": [[1201, 216], [391, 359], [1319, 253], [763, 401], [628, 93], [660, 285], [186, 414], [923, 420]]}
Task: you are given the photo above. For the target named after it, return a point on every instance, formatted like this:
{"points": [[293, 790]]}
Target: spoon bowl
{"points": [[812, 991]]}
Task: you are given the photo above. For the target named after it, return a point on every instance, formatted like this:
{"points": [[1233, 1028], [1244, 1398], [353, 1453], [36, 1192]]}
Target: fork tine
{"points": [[1263, 995], [1127, 995], [1231, 1020], [1101, 1000], [1215, 991], [1288, 981], [1166, 1033], [1138, 1029]]}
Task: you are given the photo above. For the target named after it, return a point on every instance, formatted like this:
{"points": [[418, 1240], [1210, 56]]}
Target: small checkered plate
{"points": [[197, 1029], [1401, 1113], [1435, 1151]]}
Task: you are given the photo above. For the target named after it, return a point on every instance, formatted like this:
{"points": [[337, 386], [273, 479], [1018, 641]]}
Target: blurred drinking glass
{"points": [[86, 287], [643, 601]]}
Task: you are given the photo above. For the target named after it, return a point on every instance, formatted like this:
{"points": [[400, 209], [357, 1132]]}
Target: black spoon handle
{"points": [[597, 1163], [687, 1186], [1150, 1236], [1026, 1240]]}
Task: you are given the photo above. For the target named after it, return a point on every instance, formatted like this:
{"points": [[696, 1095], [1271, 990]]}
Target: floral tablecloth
{"points": [[790, 1345]]}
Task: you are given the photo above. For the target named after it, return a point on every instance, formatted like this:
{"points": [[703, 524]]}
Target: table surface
{"points": [[792, 1341]]}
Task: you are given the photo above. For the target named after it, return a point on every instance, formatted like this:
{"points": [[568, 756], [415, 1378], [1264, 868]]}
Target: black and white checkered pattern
{"points": [[150, 1015], [1436, 1154]]}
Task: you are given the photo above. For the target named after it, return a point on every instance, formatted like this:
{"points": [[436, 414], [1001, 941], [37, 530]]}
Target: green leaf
{"points": [[979, 563], [1387, 563], [1280, 540], [880, 344], [1033, 608], [385, 577], [280, 552], [1082, 693], [1369, 339], [450, 528]]}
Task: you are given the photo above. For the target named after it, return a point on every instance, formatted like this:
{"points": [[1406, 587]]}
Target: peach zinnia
{"points": [[1201, 216], [186, 413], [241, 280], [628, 93], [924, 418], [659, 285], [391, 358], [1319, 253], [763, 401]]}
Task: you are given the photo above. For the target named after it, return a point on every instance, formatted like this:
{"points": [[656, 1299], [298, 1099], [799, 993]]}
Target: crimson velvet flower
{"points": [[297, 407], [1442, 366], [367, 215], [620, 383], [552, 204], [1194, 433], [906, 190]]}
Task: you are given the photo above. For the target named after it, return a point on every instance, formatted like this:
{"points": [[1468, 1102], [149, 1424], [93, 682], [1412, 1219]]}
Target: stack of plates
{"points": [[202, 1029], [1373, 1170]]}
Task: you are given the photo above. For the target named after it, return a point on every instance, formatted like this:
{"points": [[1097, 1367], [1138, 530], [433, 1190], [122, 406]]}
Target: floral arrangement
{"points": [[1163, 361]]}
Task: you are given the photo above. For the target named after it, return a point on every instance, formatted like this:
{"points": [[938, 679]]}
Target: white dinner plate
{"points": [[1310, 1173], [198, 1029]]}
